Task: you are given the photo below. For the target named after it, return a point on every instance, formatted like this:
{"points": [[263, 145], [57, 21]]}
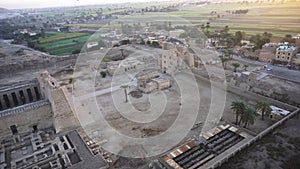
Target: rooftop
{"points": [[195, 154], [286, 48]]}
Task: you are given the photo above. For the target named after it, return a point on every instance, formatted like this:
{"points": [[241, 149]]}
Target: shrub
{"points": [[76, 51], [103, 74]]}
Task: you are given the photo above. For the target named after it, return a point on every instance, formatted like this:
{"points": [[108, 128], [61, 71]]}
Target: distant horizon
{"points": [[28, 4]]}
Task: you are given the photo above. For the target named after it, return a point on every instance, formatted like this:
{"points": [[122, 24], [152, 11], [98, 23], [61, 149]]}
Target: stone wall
{"points": [[64, 118], [256, 97], [24, 117], [19, 94]]}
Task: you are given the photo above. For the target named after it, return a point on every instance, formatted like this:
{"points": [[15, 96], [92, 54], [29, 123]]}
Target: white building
{"points": [[278, 111], [91, 44], [128, 64], [176, 33]]}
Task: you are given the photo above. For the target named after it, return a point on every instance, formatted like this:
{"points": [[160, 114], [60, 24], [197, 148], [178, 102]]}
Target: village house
{"points": [[286, 53], [267, 53], [176, 33], [297, 41]]}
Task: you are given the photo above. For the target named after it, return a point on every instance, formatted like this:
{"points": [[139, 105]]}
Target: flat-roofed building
{"points": [[123, 66], [150, 81], [162, 83], [286, 53]]}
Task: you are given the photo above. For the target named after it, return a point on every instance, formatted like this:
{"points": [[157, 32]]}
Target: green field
{"points": [[61, 36], [278, 19], [59, 43], [65, 51], [66, 42]]}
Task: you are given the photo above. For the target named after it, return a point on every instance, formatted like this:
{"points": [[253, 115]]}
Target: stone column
{"points": [[33, 94], [38, 95], [2, 102], [26, 95], [19, 97], [15, 93], [11, 100]]}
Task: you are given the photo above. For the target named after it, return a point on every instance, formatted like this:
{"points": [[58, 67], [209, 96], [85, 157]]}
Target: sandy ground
{"points": [[121, 116], [155, 122]]}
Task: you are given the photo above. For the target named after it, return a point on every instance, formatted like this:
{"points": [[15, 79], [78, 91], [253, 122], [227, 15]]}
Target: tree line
{"points": [[245, 114]]}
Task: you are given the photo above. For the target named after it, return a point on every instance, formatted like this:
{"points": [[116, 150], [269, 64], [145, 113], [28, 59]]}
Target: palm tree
{"points": [[125, 91], [202, 27], [226, 29], [207, 26], [248, 116], [264, 108], [238, 107], [224, 61], [235, 65], [267, 35]]}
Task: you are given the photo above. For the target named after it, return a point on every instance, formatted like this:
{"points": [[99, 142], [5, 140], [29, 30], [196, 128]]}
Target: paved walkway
{"points": [[102, 92]]}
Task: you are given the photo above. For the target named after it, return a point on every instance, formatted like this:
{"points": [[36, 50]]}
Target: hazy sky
{"points": [[17, 4]]}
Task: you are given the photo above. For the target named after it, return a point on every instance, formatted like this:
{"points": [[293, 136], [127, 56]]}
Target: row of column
{"points": [[19, 97]]}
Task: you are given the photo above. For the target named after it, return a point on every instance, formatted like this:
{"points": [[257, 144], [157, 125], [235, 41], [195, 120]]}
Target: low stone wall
{"points": [[253, 140], [257, 97]]}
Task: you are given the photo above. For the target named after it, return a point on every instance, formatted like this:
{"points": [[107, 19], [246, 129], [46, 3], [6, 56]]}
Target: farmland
{"points": [[60, 36], [276, 18], [58, 43], [260, 18]]}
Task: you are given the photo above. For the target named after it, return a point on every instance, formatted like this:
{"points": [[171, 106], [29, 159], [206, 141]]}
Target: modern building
{"points": [[286, 53]]}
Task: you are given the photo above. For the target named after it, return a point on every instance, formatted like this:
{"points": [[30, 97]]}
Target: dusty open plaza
{"points": [[149, 85]]}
